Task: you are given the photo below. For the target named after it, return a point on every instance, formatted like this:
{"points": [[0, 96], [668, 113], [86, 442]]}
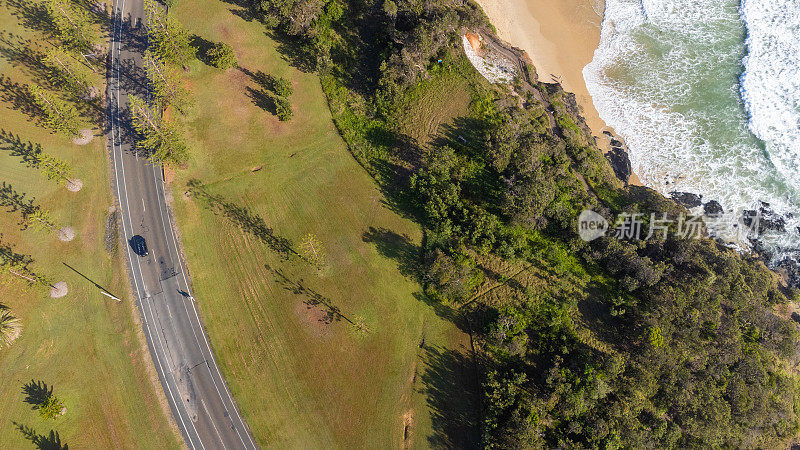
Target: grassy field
{"points": [[85, 346], [301, 372], [433, 103]]}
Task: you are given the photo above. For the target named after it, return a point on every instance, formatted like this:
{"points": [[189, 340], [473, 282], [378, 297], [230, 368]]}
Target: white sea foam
{"points": [[771, 81], [666, 77]]}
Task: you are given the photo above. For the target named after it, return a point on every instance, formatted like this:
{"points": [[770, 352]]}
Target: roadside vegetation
{"points": [[669, 343], [304, 274], [85, 345]]}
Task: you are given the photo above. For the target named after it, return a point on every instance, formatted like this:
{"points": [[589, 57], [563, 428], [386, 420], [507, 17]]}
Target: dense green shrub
{"points": [[658, 344], [222, 56], [282, 87], [283, 109]]}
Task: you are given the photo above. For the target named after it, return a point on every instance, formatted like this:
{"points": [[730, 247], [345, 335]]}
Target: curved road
{"points": [[198, 396]]}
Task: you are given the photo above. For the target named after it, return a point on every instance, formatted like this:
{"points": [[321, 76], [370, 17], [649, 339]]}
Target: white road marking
{"points": [[197, 316], [202, 402], [117, 33]]}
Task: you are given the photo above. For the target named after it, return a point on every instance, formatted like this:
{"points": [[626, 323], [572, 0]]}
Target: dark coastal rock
{"points": [[768, 219], [713, 209], [615, 143], [618, 158], [686, 199], [790, 270]]}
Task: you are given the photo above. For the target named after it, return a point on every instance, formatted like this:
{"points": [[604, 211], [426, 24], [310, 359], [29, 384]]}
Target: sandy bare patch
{"points": [[84, 137], [74, 185], [408, 424], [313, 318], [91, 93], [169, 175], [58, 290], [66, 234]]}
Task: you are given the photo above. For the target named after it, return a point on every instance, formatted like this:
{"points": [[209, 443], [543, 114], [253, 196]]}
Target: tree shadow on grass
{"points": [[242, 217], [41, 441], [36, 393], [397, 247], [19, 96], [312, 297], [29, 152], [203, 46], [450, 382], [19, 51], [245, 10], [32, 15], [8, 255], [14, 201], [262, 99], [295, 50]]}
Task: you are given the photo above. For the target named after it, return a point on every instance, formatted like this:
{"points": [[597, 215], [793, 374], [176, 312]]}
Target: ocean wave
{"points": [[668, 82], [771, 80]]}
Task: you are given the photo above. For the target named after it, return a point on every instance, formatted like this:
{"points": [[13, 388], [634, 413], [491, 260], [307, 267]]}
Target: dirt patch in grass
{"points": [[408, 428], [58, 289], [111, 230], [313, 319], [66, 234], [169, 175], [84, 137], [74, 185]]}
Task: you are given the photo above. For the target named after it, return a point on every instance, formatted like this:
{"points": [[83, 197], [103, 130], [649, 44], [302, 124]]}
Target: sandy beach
{"points": [[560, 36]]}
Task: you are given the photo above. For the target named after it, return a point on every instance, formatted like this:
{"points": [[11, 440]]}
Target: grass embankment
{"points": [[84, 345], [300, 381]]}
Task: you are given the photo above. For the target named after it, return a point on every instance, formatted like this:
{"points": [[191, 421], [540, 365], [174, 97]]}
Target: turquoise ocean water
{"points": [[706, 94]]}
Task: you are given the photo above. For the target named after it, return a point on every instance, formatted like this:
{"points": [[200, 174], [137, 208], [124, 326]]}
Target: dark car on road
{"points": [[139, 245]]}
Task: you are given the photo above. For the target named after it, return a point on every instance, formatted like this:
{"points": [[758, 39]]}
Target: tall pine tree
{"points": [[58, 114], [169, 41], [73, 24], [165, 83], [67, 72], [159, 139]]}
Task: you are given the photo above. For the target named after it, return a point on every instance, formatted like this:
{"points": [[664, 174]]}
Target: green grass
{"points": [[300, 382], [84, 345], [434, 102]]}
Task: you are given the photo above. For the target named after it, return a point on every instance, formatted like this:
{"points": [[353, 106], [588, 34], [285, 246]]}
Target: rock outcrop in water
{"points": [[618, 158], [713, 209], [687, 199]]}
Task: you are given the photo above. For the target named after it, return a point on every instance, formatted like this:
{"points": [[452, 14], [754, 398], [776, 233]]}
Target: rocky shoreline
{"points": [[760, 221]]}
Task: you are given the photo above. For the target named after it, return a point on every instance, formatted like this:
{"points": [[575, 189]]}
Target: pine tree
{"points": [[39, 220], [67, 72], [222, 56], [166, 83], [59, 115], [313, 251], [54, 168], [283, 108], [51, 408], [73, 24], [160, 139], [169, 41], [10, 327]]}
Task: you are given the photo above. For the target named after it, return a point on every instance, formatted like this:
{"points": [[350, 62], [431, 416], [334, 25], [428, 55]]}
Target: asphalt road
{"points": [[198, 396]]}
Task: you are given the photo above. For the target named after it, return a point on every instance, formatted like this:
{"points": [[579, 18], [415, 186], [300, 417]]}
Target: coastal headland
{"points": [[560, 37]]}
